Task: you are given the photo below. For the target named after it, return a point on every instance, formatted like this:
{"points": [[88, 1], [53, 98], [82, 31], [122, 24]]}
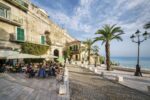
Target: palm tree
{"points": [[67, 54], [95, 50], [88, 44], [107, 34], [147, 26]]}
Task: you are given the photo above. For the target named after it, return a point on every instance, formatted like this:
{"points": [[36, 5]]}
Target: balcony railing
{"points": [[12, 19], [23, 4]]}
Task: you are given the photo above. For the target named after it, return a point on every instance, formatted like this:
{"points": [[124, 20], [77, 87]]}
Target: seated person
{"points": [[2, 68], [42, 72], [54, 70], [30, 71], [50, 73]]}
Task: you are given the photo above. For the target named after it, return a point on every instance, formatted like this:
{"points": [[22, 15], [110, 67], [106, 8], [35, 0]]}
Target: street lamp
{"points": [[139, 40]]}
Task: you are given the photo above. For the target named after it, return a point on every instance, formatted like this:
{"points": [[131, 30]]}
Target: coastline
{"points": [[145, 71]]}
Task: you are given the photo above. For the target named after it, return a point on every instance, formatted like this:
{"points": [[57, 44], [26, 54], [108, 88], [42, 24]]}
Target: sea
{"points": [[130, 62]]}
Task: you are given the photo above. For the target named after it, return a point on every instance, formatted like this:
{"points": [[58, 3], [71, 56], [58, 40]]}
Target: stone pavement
{"points": [[85, 85], [14, 86], [139, 83]]}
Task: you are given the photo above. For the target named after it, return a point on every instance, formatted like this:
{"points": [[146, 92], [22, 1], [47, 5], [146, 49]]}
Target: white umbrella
{"points": [[5, 53], [21, 56], [48, 56]]}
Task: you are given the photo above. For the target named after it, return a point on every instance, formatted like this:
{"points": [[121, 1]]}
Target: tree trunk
{"points": [[107, 48], [89, 57]]}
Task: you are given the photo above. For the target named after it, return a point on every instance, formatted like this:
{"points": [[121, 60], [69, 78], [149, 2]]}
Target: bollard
{"points": [[65, 77], [62, 89], [86, 66], [102, 74], [90, 68], [148, 87], [119, 78], [95, 70]]}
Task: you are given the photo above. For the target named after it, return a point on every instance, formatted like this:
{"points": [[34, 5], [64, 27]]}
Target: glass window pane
{"points": [[2, 12]]}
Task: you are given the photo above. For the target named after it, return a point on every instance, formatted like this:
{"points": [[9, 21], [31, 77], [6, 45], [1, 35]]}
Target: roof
{"points": [[76, 41]]}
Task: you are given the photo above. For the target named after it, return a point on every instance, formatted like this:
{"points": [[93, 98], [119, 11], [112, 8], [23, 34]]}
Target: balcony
{"points": [[22, 4], [11, 19]]}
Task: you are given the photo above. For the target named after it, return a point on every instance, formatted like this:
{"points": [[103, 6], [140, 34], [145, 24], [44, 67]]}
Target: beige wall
{"points": [[35, 23]]}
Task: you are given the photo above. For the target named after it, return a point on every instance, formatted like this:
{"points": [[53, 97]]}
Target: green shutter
{"points": [[20, 34], [42, 40]]}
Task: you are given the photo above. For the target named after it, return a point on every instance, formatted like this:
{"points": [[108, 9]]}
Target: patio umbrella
{"points": [[6, 53], [61, 59], [21, 56], [48, 56]]}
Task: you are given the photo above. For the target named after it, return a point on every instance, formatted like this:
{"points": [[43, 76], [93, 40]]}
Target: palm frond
{"points": [[147, 26], [108, 33], [117, 38], [116, 30], [103, 42]]}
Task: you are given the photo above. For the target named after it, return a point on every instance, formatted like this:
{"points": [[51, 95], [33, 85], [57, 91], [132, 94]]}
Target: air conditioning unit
{"points": [[12, 37]]}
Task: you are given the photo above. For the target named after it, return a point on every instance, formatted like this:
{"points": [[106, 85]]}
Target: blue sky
{"points": [[81, 18]]}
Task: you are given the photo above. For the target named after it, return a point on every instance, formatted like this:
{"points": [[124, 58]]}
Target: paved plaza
{"points": [[85, 85], [18, 87]]}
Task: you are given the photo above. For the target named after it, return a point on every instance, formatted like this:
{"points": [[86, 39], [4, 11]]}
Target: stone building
{"points": [[22, 21], [75, 50]]}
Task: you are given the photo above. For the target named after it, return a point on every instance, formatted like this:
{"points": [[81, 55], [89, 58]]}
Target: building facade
{"points": [[75, 51], [22, 21]]}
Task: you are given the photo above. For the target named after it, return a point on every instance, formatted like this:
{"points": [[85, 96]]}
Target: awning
{"points": [[61, 59], [48, 56], [21, 56], [5, 53], [9, 54]]}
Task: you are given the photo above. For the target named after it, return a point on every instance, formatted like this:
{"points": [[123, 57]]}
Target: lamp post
{"points": [[139, 40]]}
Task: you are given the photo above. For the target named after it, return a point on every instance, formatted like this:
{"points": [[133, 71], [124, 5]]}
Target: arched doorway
{"points": [[56, 53]]}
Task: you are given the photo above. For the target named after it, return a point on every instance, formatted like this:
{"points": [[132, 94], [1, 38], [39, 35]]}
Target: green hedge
{"points": [[35, 49]]}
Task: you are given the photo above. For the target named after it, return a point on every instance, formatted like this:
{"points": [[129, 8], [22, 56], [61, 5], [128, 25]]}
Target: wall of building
{"points": [[35, 22]]}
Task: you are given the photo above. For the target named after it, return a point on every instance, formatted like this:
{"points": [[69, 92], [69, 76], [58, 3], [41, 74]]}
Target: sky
{"points": [[82, 18]]}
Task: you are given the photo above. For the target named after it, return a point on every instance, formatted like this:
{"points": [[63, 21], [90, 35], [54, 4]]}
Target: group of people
{"points": [[43, 70], [35, 69]]}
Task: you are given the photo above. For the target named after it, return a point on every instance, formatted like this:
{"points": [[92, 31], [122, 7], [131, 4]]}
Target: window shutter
{"points": [[20, 34], [42, 40]]}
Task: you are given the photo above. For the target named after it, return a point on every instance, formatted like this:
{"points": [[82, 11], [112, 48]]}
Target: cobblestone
{"points": [[85, 85]]}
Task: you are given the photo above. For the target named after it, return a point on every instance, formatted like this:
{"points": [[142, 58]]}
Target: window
{"points": [[76, 47], [20, 34], [42, 39], [4, 12], [70, 48]]}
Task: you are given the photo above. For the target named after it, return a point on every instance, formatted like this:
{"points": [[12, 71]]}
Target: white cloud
{"points": [[87, 18]]}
